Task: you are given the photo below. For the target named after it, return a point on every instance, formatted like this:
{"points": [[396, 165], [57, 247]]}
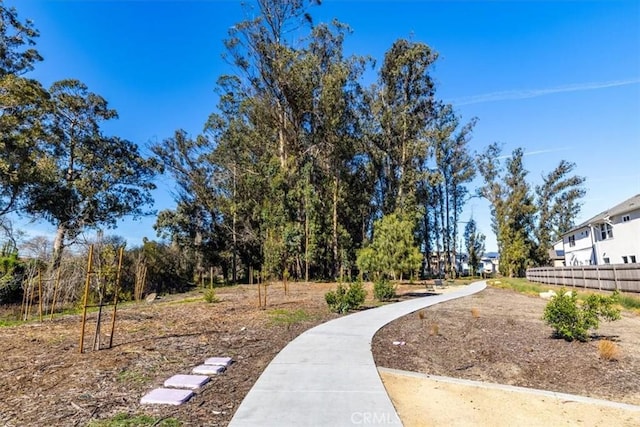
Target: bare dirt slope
{"points": [[45, 381], [498, 336]]}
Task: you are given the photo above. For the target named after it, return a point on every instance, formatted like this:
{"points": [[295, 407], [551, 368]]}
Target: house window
{"points": [[572, 240], [626, 218], [625, 260], [606, 232], [632, 258], [606, 260]]}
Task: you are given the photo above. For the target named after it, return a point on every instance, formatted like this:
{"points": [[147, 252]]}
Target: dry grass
{"points": [[434, 329], [475, 312], [608, 350]]}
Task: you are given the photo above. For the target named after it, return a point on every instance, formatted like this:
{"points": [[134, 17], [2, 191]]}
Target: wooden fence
{"points": [[608, 277]]}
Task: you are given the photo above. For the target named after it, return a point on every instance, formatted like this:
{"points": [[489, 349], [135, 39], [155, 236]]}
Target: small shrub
{"points": [[344, 299], [210, 296], [608, 350], [475, 312], [383, 290], [573, 322]]}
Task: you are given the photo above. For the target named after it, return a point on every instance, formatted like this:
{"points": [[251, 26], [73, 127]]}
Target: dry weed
{"points": [[608, 350], [434, 329]]}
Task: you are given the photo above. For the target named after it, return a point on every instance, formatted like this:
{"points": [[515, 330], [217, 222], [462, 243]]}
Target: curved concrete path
{"points": [[327, 376]]}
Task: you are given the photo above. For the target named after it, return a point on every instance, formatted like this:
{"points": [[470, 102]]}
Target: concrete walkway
{"points": [[327, 376]]}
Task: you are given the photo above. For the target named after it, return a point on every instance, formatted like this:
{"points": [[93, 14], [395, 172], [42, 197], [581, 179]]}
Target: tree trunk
{"points": [[427, 242], [454, 233], [336, 262], [281, 137], [442, 230], [234, 276], [58, 247], [447, 232], [197, 240], [306, 245]]}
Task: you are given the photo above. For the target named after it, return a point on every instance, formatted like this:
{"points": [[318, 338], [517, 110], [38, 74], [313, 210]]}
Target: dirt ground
{"points": [[497, 336], [45, 380], [441, 401], [505, 341]]}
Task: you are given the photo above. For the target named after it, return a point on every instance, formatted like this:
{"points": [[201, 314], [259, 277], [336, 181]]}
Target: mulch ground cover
{"points": [[44, 380]]}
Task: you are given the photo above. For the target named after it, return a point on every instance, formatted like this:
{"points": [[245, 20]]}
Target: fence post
{"points": [[615, 277]]}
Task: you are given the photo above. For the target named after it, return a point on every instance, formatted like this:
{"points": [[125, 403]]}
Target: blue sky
{"points": [[559, 78]]}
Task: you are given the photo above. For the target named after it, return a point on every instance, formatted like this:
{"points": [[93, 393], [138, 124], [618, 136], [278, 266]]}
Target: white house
{"points": [[490, 263], [611, 237]]}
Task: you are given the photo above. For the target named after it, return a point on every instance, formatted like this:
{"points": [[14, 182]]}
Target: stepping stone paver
{"points": [[166, 396], [222, 361], [187, 381], [208, 369]]}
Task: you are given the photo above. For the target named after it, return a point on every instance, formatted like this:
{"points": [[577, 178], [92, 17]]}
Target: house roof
{"points": [[631, 204], [556, 254], [490, 256]]}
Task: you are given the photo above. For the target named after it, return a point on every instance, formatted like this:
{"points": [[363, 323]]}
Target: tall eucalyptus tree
{"points": [[194, 225], [93, 180], [558, 204], [454, 168], [403, 106], [24, 108]]}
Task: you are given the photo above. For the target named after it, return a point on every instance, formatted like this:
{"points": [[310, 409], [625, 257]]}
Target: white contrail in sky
{"points": [[550, 150], [536, 152], [533, 93]]}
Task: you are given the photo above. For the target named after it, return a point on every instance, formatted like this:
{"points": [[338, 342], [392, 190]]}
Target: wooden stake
{"points": [[23, 308], [259, 294], [115, 297], [55, 292], [32, 292], [86, 297], [40, 295], [265, 294]]}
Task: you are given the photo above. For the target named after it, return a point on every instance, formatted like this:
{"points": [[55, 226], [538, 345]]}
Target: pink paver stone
{"points": [[187, 381], [166, 396], [222, 361], [208, 369]]}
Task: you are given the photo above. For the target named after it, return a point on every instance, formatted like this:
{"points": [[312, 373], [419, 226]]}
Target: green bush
{"points": [[383, 290], [210, 296], [572, 321], [344, 299]]}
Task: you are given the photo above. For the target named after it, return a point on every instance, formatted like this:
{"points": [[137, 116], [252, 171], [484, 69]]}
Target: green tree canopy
{"points": [[392, 252], [92, 180], [523, 241], [474, 241], [23, 111]]}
